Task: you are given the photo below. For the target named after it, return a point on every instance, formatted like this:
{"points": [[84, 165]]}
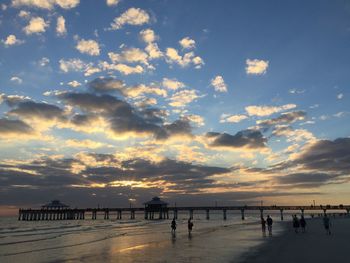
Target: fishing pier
{"points": [[157, 209]]}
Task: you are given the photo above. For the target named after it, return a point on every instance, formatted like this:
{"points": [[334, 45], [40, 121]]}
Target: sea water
{"points": [[138, 240]]}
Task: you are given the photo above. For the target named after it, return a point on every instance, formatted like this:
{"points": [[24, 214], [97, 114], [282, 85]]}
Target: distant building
{"points": [[156, 206], [54, 205]]}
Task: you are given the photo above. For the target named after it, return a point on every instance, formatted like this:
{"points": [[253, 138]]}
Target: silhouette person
{"points": [[189, 226], [296, 224], [327, 224], [263, 226], [269, 222], [173, 226], [302, 223]]}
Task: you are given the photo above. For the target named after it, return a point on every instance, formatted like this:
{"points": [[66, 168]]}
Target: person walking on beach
{"points": [[173, 226], [263, 226], [296, 224], [302, 224], [269, 222], [189, 226], [327, 224]]}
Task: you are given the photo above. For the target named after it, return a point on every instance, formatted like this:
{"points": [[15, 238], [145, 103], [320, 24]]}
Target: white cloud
{"points": [[232, 118], [146, 102], [172, 84], [292, 135], [83, 143], [196, 119], [46, 4], [172, 56], [61, 26], [198, 62], [307, 122], [112, 2], [187, 43], [12, 40], [340, 96], [90, 47], [36, 25], [148, 36], [44, 61], [130, 55], [324, 117], [16, 79], [296, 91], [126, 70], [182, 98], [72, 65], [267, 110], [153, 51], [314, 106], [24, 14], [133, 16], [78, 65], [90, 69], [256, 67], [219, 84], [141, 89], [122, 68], [74, 83], [340, 114]]}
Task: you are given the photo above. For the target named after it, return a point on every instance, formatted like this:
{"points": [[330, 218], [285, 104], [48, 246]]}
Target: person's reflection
{"points": [[189, 236], [173, 238]]}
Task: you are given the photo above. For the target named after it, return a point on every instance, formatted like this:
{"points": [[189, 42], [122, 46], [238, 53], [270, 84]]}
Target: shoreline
{"points": [[313, 246], [101, 241], [215, 241]]}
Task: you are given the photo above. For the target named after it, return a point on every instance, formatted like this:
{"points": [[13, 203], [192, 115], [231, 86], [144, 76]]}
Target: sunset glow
{"points": [[103, 102]]}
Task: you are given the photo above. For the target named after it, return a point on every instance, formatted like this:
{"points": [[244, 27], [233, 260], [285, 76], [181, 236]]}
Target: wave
{"points": [[65, 246], [20, 230], [68, 230]]}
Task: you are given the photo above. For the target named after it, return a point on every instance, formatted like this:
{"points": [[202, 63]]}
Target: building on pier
{"points": [[55, 210], [55, 205], [156, 206]]}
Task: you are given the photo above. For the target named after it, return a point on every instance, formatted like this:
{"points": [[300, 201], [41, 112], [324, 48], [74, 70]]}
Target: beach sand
{"points": [[133, 241], [313, 246]]}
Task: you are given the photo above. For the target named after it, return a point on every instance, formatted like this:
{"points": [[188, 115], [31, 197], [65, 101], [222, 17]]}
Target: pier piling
{"points": [[242, 214], [175, 214], [132, 214], [281, 211], [261, 213], [191, 214]]}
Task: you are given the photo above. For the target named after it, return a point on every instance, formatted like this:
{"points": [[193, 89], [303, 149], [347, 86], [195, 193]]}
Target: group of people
{"points": [[267, 222], [297, 223], [189, 226]]}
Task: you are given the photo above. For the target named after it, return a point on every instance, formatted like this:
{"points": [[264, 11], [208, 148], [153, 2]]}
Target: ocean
{"points": [[138, 240]]}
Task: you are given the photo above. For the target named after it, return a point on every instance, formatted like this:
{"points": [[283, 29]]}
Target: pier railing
{"points": [[79, 214]]}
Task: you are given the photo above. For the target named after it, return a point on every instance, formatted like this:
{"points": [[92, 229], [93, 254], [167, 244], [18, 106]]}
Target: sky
{"points": [[112, 102]]}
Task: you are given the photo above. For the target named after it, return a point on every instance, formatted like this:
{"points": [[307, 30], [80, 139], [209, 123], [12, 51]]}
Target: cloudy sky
{"points": [[111, 102]]}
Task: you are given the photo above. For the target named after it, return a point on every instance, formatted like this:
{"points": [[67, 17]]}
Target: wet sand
{"points": [[313, 246], [133, 241]]}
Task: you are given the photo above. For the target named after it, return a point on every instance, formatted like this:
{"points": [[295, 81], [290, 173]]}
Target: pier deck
{"points": [[79, 214]]}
